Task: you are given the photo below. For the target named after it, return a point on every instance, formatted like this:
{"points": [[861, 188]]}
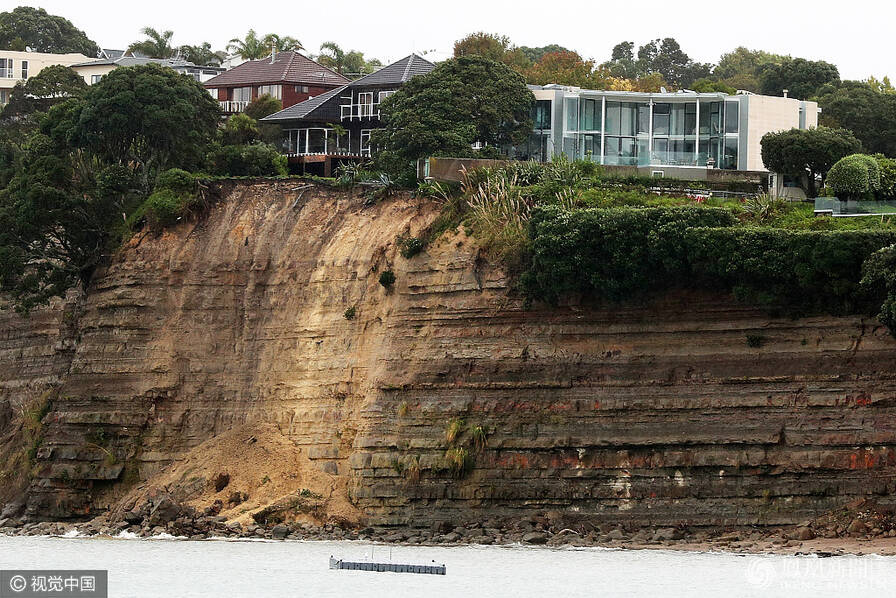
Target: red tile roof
{"points": [[288, 67]]}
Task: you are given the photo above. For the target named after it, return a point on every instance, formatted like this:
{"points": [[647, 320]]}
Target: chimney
{"points": [[273, 51], [785, 92]]}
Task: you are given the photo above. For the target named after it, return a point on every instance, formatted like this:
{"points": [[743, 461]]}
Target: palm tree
{"points": [[157, 46], [332, 56], [255, 48], [283, 43]]}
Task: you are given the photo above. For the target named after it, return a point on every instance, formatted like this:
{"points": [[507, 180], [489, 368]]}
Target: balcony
{"points": [[232, 106], [359, 111]]}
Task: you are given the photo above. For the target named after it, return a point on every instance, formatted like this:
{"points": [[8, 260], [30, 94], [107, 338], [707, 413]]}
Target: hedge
{"points": [[625, 253], [606, 252]]}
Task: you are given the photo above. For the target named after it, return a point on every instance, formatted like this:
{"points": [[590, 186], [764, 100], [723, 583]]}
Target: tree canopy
{"points": [[253, 47], [52, 85], [28, 27], [91, 157], [869, 114], [802, 78], [462, 101], [345, 63], [156, 45], [809, 152]]}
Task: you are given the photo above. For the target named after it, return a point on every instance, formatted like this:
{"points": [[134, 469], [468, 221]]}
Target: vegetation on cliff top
{"points": [[569, 231]]}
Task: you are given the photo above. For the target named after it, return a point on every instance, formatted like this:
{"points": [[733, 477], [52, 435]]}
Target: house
{"points": [[19, 66], [682, 134], [94, 70], [336, 126], [288, 76]]}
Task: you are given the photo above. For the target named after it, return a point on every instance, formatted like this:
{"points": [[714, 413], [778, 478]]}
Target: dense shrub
{"points": [[247, 160], [387, 278], [177, 180], [807, 270], [854, 177], [623, 253], [887, 168], [240, 129], [610, 253], [879, 282], [162, 208]]}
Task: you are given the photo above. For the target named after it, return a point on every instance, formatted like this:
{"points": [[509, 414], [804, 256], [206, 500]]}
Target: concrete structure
{"points": [[19, 66], [683, 130], [94, 70]]}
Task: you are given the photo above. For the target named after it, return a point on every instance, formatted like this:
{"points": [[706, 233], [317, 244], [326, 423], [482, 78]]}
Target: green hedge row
{"points": [[625, 253], [606, 252]]}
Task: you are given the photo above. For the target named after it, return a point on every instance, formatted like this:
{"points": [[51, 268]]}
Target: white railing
{"points": [[359, 111], [233, 106]]}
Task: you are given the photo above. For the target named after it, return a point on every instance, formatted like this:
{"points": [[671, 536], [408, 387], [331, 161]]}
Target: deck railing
{"points": [[232, 106]]}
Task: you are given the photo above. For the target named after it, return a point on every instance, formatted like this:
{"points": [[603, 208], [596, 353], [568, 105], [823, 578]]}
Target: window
{"points": [[661, 119], [541, 114], [731, 117], [213, 92], [94, 79], [572, 114], [301, 89], [4, 97], [6, 68], [242, 94], [365, 108], [729, 159], [365, 142], [275, 91], [591, 115], [24, 69], [613, 124], [385, 94]]}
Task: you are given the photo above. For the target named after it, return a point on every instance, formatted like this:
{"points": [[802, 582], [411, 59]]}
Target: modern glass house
{"points": [[683, 129]]}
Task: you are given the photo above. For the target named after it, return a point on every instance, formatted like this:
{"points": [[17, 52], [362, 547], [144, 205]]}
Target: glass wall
{"points": [[678, 132]]}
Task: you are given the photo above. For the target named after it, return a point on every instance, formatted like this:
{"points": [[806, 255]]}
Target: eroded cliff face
{"points": [[690, 410]]}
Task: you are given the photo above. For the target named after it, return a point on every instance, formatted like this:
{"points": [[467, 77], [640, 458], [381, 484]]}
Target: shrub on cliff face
{"points": [[387, 278], [879, 280], [256, 160], [613, 253], [174, 197], [620, 254]]}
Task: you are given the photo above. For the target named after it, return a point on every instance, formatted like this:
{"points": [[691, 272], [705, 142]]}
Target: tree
{"points": [[622, 61], [202, 55], [34, 28], [263, 105], [855, 177], [740, 68], [254, 48], [802, 78], [809, 152], [668, 59], [52, 85], [157, 44], [708, 85], [568, 68], [462, 101], [487, 45], [90, 162], [536, 54], [148, 118], [869, 114]]}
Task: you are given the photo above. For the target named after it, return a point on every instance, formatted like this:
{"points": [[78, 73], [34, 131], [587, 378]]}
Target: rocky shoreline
{"points": [[862, 528]]}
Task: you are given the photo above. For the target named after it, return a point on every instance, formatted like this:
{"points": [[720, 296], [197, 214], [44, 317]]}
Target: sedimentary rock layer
{"points": [[444, 397]]}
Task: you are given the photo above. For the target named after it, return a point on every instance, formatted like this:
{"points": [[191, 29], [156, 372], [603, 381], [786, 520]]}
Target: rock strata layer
{"points": [[442, 397]]}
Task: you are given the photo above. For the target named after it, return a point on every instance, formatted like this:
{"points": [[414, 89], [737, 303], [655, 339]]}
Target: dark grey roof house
{"points": [[337, 124]]}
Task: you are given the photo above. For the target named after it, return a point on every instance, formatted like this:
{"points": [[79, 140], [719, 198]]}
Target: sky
{"points": [[857, 36]]}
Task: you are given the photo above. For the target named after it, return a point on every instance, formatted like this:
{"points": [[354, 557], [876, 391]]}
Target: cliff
{"points": [[444, 397]]}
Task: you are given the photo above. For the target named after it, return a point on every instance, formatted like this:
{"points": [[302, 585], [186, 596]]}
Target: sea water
{"points": [[228, 568]]}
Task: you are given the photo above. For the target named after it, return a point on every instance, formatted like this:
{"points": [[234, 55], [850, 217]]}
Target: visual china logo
{"points": [[41, 583]]}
